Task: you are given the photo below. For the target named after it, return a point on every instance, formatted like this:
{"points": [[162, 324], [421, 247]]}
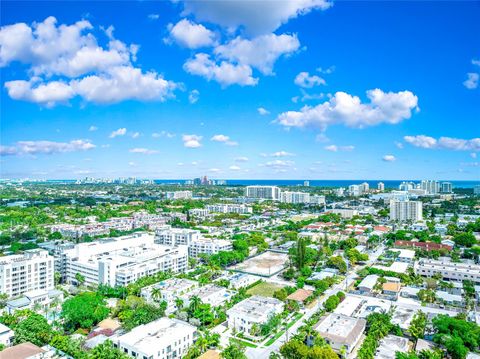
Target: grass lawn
{"points": [[244, 342], [264, 289], [272, 340]]}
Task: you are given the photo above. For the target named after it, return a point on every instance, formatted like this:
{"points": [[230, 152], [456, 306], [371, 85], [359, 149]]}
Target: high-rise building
{"points": [[446, 187], [406, 210], [32, 270], [264, 192], [306, 183], [476, 190], [406, 186], [294, 197], [364, 187], [381, 186], [431, 187]]}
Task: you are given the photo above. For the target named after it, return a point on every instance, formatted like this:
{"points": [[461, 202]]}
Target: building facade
{"points": [[406, 210], [32, 270], [263, 192]]}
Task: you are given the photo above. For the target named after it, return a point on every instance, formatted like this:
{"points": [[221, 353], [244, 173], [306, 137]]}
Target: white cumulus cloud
{"points": [[193, 96], [348, 110], [191, 35], [256, 17], [261, 52], [304, 79], [388, 158], [45, 147], [224, 139], [120, 132], [143, 151], [449, 143], [335, 148], [262, 111], [192, 141], [471, 82], [224, 73]]}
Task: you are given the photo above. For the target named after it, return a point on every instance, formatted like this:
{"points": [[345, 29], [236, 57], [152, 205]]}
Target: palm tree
{"points": [[179, 303], [156, 294], [194, 303]]}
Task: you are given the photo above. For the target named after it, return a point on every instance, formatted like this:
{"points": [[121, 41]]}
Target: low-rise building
{"points": [[239, 280], [163, 338], [390, 345], [255, 310], [35, 299], [208, 246], [448, 270], [368, 283], [122, 260], [178, 195], [6, 336], [341, 331], [209, 294], [169, 290]]}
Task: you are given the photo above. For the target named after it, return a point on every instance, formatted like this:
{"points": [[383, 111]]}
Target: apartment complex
{"points": [[122, 260], [31, 270], [430, 187], [254, 310], [448, 270], [406, 210], [294, 197], [196, 245], [263, 192], [170, 289], [229, 208], [163, 338], [179, 195], [176, 236]]}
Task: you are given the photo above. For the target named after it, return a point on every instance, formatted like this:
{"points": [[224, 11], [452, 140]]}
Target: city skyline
{"points": [[308, 90]]}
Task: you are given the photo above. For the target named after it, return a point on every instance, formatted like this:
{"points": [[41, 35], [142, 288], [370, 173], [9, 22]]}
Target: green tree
{"points": [[107, 351], [331, 303], [234, 350], [83, 311], [418, 325], [34, 329]]}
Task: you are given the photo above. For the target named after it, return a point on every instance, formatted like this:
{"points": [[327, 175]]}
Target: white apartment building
{"points": [[430, 187], [341, 331], [446, 187], [381, 186], [229, 208], [294, 197], [196, 245], [209, 294], [406, 210], [123, 260], [317, 199], [344, 212], [448, 270], [198, 212], [208, 246], [406, 186], [254, 310], [163, 338], [31, 270], [179, 195], [176, 236], [170, 289], [36, 298], [263, 192]]}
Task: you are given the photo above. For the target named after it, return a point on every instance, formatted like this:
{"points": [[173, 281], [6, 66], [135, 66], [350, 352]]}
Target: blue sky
{"points": [[230, 89]]}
